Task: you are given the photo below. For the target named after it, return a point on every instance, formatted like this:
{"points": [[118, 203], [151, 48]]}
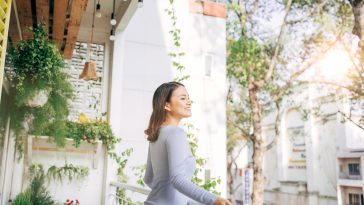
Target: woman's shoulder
{"points": [[171, 130]]}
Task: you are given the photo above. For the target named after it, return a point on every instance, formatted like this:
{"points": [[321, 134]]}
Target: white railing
{"points": [[125, 194], [344, 175], [132, 192]]}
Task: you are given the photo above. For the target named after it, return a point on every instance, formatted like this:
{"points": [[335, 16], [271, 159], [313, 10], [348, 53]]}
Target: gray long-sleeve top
{"points": [[170, 166]]}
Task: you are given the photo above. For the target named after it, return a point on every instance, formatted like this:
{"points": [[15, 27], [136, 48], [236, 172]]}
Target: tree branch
{"points": [[255, 7], [300, 71], [328, 83], [351, 120], [316, 10], [245, 133], [352, 59], [269, 73], [276, 129]]}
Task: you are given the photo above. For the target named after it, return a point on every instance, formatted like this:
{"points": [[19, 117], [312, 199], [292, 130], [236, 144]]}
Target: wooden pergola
{"points": [[62, 19]]}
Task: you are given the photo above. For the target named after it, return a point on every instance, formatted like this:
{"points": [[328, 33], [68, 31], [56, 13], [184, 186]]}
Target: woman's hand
{"points": [[221, 201]]}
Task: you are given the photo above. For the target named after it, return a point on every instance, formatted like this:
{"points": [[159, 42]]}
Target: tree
{"points": [[357, 86], [263, 67]]}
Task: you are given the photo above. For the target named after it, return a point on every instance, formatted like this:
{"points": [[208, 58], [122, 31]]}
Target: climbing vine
{"points": [[176, 39], [210, 184]]}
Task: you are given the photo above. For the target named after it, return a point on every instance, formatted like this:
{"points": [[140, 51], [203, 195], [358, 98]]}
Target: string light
{"points": [[98, 10], [140, 3]]}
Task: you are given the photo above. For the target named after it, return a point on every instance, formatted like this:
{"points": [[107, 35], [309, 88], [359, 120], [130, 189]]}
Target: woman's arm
{"points": [[178, 151], [148, 177]]}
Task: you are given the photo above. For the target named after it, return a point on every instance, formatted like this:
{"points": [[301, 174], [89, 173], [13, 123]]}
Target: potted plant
{"points": [[38, 72], [92, 131], [37, 192], [36, 62]]}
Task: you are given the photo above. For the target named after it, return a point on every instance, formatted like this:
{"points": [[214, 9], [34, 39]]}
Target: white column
{"points": [[114, 111]]}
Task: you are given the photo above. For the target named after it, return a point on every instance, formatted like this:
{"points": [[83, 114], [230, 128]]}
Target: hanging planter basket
{"points": [[40, 98]]}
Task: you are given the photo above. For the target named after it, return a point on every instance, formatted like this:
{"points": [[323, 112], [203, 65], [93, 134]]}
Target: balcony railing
{"points": [[124, 193], [344, 175]]}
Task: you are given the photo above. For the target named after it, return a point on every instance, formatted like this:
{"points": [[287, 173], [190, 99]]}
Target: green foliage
{"points": [[139, 173], [91, 132], [36, 62], [98, 130], [357, 82], [123, 198], [209, 185], [121, 160], [37, 65], [36, 193], [24, 198], [176, 39], [245, 54], [57, 174], [68, 170]]}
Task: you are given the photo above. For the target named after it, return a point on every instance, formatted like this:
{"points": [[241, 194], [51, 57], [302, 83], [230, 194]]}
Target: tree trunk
{"points": [[258, 148], [358, 30], [230, 174]]}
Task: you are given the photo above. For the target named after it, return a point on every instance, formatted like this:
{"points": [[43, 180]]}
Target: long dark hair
{"points": [[161, 96]]}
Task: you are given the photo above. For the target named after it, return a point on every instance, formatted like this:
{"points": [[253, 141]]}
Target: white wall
{"points": [[87, 190]]}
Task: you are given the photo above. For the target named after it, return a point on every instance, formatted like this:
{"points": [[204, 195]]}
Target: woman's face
{"points": [[180, 104]]}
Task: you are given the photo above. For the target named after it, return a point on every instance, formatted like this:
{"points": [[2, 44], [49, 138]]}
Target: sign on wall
{"points": [[296, 154], [247, 185]]}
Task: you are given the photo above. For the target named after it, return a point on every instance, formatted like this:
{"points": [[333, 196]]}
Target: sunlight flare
{"points": [[335, 65]]}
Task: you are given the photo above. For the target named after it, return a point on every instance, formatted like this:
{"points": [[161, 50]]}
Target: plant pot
{"points": [[40, 98]]}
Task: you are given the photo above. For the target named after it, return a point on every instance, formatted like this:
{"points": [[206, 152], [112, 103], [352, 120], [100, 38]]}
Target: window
{"points": [[354, 169], [354, 199]]}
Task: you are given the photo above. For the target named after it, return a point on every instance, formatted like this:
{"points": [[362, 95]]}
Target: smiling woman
{"points": [[170, 163]]}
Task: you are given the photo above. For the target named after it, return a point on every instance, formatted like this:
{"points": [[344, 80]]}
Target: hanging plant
{"points": [[36, 62], [38, 68], [91, 132]]}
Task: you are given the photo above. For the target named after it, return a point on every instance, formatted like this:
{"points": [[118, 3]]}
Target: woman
{"points": [[170, 164]]}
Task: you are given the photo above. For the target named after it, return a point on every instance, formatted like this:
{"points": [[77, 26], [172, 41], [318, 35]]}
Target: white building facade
{"points": [[317, 160]]}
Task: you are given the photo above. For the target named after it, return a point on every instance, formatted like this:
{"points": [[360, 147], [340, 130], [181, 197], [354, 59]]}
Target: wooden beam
{"points": [[5, 7], [13, 28], [78, 8], [55, 149], [43, 12], [24, 8], [59, 21]]}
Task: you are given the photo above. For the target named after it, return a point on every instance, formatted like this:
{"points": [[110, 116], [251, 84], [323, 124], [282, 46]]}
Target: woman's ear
{"points": [[167, 107]]}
